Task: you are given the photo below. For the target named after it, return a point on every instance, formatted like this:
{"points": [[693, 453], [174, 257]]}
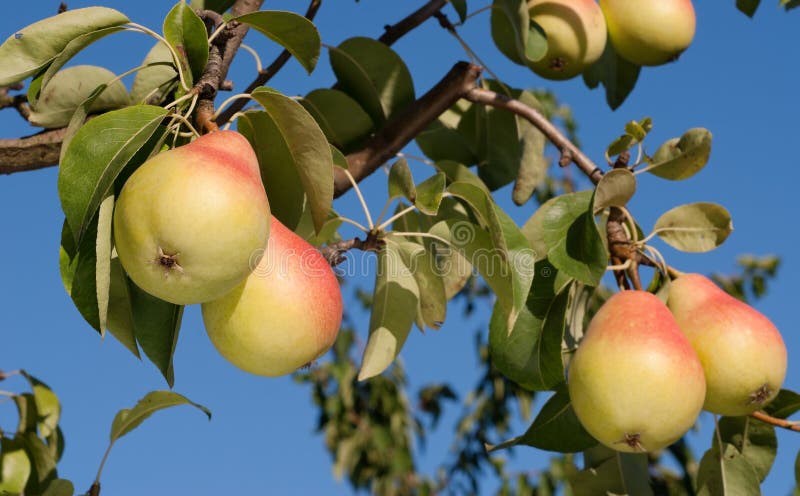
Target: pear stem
{"points": [[777, 422], [252, 52]]}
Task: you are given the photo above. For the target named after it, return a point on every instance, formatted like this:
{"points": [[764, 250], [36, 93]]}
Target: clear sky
{"points": [[739, 79]]}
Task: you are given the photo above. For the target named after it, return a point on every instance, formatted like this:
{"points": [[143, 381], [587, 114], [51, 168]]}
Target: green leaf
{"points": [[432, 302], [129, 419], [401, 182], [510, 24], [460, 6], [503, 257], [726, 473], [103, 257], [573, 242], [31, 49], [48, 407], [617, 75], [533, 163], [395, 298], [119, 320], [748, 7], [26, 411], [755, 440], [615, 189], [457, 172], [78, 265], [69, 88], [531, 354], [59, 487], [293, 32], [152, 83], [156, 324], [441, 139], [96, 155], [635, 132], [681, 158], [15, 466], [293, 154], [374, 75], [617, 473], [785, 404], [187, 35], [43, 463], [341, 118], [695, 227], [429, 194]]}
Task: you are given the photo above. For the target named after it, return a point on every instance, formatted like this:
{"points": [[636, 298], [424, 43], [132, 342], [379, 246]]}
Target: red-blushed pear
{"points": [[286, 314], [742, 352], [189, 221], [649, 32], [576, 36], [635, 382]]}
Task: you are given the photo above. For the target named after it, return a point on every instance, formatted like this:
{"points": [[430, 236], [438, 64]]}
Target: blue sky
{"points": [[738, 79]]}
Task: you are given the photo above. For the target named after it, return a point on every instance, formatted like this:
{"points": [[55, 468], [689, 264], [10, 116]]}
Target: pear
{"points": [[286, 314], [743, 354], [649, 32], [576, 36], [191, 222], [635, 382]]}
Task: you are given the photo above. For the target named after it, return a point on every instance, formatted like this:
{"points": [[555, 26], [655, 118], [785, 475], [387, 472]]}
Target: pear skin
{"points": [[285, 315], [576, 36], [742, 352], [190, 222], [635, 382], [649, 32]]}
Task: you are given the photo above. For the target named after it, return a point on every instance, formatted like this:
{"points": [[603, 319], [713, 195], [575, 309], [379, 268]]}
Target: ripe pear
{"points": [[190, 222], [649, 32], [286, 314], [743, 354], [576, 36], [635, 382]]}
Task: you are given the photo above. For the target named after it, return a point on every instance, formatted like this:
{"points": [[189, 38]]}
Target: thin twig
{"points": [[397, 31], [334, 252], [569, 152], [782, 423]]}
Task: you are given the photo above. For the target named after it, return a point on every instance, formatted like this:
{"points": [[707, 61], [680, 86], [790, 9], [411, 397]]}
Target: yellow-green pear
{"points": [[649, 32], [286, 314], [635, 382], [743, 354], [190, 222], [576, 36]]}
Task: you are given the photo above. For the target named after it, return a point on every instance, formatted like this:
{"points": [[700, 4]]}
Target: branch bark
{"points": [[31, 152], [399, 131]]}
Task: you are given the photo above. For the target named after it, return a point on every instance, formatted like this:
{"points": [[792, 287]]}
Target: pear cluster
{"points": [[644, 370], [192, 225], [644, 32]]}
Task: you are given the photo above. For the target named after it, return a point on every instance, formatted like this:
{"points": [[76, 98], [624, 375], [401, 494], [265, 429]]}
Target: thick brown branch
{"points": [[397, 31], [32, 152], [265, 74], [403, 128], [569, 152], [220, 56], [782, 423]]}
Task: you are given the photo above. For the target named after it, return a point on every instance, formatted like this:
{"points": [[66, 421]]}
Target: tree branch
{"points": [[569, 152], [397, 31], [782, 423], [220, 56], [334, 252], [403, 128], [266, 74], [31, 152]]}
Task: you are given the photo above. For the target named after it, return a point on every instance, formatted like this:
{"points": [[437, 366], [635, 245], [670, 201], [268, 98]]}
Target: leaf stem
{"points": [[352, 222], [777, 422], [360, 197], [252, 52], [396, 216], [228, 101], [175, 58]]}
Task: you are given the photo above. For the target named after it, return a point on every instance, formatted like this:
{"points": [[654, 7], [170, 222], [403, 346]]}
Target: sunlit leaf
{"points": [[96, 155], [129, 419], [432, 303], [695, 227], [394, 304], [152, 83], [187, 35], [293, 32], [401, 182], [615, 189], [15, 466], [32, 48], [755, 440], [341, 118]]}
